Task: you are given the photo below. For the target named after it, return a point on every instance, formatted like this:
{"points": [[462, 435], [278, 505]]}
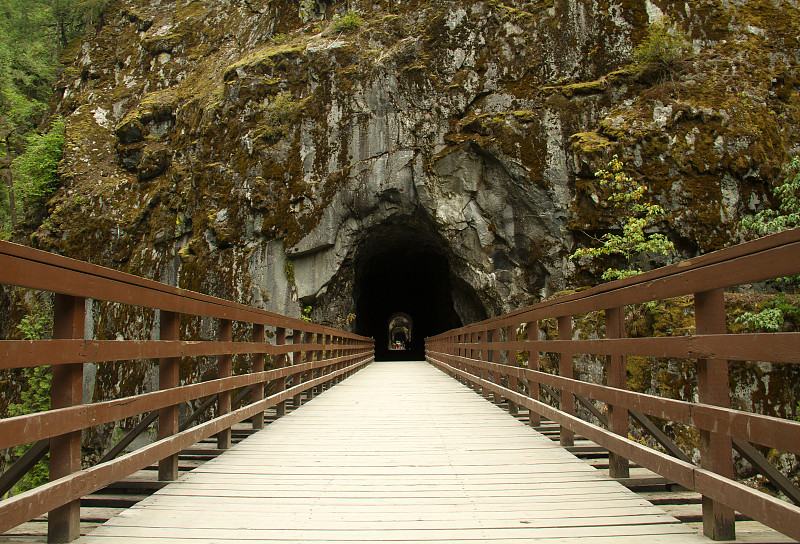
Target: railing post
{"points": [[280, 362], [258, 366], [326, 354], [455, 346], [534, 419], [225, 365], [616, 372], [494, 356], [473, 337], [511, 360], [714, 388], [63, 523], [565, 364], [168, 378], [461, 352], [313, 356], [482, 356], [335, 354], [297, 358]]}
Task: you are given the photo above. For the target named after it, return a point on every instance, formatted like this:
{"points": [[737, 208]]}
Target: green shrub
{"points": [[288, 271], [348, 23], [787, 215], [36, 396], [772, 314], [632, 215], [36, 170], [663, 48]]}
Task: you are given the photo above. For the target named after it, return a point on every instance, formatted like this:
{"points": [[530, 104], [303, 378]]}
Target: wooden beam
{"points": [[168, 378], [66, 390]]}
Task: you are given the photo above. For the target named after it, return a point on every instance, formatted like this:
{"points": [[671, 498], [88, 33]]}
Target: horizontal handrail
{"points": [[784, 347], [27, 353], [485, 355], [27, 267], [308, 354]]}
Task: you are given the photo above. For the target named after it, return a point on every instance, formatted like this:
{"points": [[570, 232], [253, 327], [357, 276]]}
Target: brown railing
{"points": [[484, 355], [319, 356]]}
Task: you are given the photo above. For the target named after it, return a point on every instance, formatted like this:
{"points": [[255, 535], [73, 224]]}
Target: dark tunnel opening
{"points": [[402, 270]]}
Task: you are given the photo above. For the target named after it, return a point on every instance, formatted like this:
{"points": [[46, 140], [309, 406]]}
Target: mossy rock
{"points": [[263, 61]]}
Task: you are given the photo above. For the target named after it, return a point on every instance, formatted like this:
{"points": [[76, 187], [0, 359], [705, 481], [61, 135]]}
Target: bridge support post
{"points": [[462, 352], [168, 378], [616, 376], [280, 362], [714, 388], [64, 523], [297, 358], [494, 356], [224, 363], [534, 419], [258, 366], [483, 355], [565, 370], [473, 338], [313, 356], [511, 360], [335, 353]]}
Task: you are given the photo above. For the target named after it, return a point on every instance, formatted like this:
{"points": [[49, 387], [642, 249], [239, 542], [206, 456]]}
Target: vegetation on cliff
{"points": [[634, 215], [32, 35]]}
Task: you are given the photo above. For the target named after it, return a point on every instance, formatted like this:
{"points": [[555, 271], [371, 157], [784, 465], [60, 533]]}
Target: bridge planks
{"points": [[398, 452]]}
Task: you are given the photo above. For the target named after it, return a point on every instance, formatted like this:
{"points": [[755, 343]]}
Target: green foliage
{"points": [[288, 271], [307, 314], [772, 314], [662, 49], [770, 319], [32, 35], [348, 23], [36, 396], [5, 210], [36, 170], [632, 215], [787, 216]]}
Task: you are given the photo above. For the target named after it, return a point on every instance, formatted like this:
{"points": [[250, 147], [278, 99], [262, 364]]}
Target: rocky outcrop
{"points": [[214, 141]]}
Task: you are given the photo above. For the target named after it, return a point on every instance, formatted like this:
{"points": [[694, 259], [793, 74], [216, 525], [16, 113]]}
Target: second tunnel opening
{"points": [[401, 269]]}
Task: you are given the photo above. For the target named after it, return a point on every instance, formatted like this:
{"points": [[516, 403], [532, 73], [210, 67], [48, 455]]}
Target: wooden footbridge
{"points": [[399, 451]]}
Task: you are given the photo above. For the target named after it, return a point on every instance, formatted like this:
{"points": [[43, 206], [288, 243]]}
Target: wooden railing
{"points": [[319, 356], [484, 355]]}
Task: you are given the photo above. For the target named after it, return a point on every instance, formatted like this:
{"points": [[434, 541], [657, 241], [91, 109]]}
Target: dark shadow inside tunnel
{"points": [[400, 270]]}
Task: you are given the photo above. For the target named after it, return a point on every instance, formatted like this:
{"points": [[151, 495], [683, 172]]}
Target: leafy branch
{"points": [[633, 215]]}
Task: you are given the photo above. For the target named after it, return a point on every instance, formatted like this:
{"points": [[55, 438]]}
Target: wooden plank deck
{"points": [[398, 452]]}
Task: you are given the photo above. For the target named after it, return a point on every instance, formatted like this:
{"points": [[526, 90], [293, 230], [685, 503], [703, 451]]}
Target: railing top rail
{"points": [[763, 259], [35, 269]]}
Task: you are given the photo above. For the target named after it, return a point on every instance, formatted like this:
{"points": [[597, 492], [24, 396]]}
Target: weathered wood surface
{"points": [[398, 452]]}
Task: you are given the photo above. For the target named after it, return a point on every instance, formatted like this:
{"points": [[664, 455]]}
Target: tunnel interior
{"points": [[402, 269]]}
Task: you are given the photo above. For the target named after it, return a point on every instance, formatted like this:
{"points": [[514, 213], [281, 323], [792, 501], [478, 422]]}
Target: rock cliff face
{"points": [[268, 152]]}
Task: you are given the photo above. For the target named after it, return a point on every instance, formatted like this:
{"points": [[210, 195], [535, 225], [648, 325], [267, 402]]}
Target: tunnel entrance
{"points": [[400, 327], [401, 271]]}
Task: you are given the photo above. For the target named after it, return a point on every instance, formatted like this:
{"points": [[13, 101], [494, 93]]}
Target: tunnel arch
{"points": [[400, 330], [403, 266]]}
